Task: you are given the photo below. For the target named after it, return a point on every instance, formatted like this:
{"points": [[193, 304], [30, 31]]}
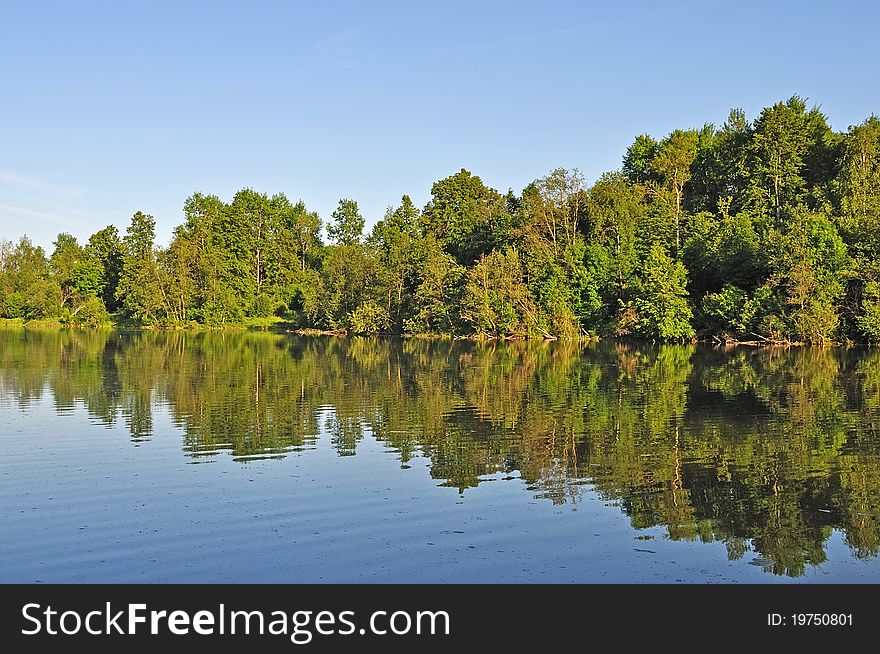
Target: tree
{"points": [[80, 279], [28, 290], [105, 251], [141, 290], [784, 139], [859, 183], [65, 257], [672, 164], [614, 209], [249, 229], [303, 229], [349, 280], [722, 249], [662, 310], [398, 244], [348, 224], [719, 171], [218, 296], [810, 263], [178, 266], [466, 217], [869, 320], [636, 162], [553, 206], [437, 292], [496, 301]]}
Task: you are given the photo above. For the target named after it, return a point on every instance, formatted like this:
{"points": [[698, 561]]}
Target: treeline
{"points": [[764, 230]]}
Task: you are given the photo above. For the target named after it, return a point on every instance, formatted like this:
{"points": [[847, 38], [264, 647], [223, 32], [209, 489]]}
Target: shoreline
{"points": [[284, 327]]}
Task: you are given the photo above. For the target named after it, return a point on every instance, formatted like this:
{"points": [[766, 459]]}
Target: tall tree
{"points": [[250, 223], [496, 300], [66, 256], [29, 291], [80, 279], [719, 172], [437, 292], [810, 264], [347, 227], [106, 251], [662, 309], [141, 289], [304, 232], [467, 217], [398, 243], [213, 268], [555, 205], [636, 161], [672, 164], [859, 182], [783, 137]]}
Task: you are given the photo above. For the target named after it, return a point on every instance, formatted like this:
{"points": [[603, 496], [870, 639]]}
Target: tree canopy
{"points": [[764, 229]]}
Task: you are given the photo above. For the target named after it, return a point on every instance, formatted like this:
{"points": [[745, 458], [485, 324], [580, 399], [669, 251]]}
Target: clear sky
{"points": [[112, 107]]}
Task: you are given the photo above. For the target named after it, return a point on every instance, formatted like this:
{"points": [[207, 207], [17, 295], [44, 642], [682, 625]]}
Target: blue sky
{"points": [[112, 107]]}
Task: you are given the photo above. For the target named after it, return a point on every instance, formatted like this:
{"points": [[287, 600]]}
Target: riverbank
{"points": [[285, 326], [126, 324]]}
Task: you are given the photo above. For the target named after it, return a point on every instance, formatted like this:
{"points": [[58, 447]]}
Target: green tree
{"points": [[869, 320], [810, 263], [66, 256], [348, 224], [141, 291], [636, 161], [615, 207], [27, 289], [466, 217], [203, 240], [496, 300], [720, 170], [662, 309], [672, 164], [399, 246], [349, 280], [437, 292], [859, 182], [303, 232], [106, 252], [786, 138], [249, 229]]}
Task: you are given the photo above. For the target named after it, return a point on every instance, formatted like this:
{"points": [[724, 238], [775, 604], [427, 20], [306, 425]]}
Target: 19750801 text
{"points": [[810, 620]]}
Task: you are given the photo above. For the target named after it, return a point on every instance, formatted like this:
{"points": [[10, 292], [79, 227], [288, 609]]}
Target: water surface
{"points": [[257, 457]]}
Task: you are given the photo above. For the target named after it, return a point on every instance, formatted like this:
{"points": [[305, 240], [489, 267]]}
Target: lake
{"points": [[262, 457]]}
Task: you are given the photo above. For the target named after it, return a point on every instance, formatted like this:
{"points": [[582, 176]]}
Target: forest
{"points": [[761, 230]]}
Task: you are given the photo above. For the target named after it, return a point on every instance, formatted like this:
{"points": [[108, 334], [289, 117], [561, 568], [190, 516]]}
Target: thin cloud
{"points": [[518, 39], [17, 180], [53, 218], [333, 42]]}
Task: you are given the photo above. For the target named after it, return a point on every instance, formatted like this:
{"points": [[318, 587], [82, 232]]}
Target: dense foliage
{"points": [[756, 230]]}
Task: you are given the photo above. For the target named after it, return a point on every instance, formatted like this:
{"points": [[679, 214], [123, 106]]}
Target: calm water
{"points": [[255, 457]]}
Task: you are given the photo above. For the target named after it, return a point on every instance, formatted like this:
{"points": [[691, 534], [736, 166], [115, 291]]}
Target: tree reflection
{"points": [[765, 450]]}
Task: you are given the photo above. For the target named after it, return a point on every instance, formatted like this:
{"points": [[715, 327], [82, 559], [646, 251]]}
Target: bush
{"points": [[663, 310], [262, 306], [496, 301], [43, 300], [368, 318], [724, 310], [14, 306], [90, 313], [869, 320]]}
